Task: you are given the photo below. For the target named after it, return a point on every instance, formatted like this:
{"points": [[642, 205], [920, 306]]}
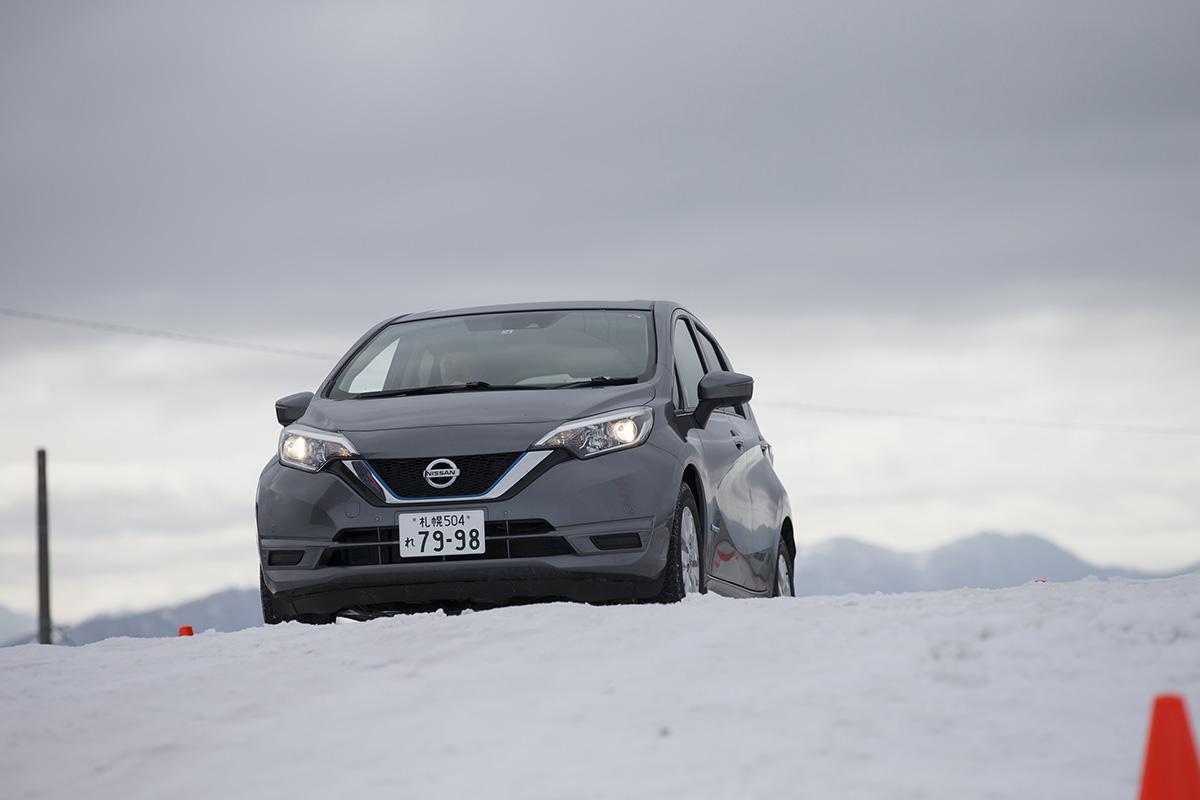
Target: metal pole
{"points": [[43, 520]]}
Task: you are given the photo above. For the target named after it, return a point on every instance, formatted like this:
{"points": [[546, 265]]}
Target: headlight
{"points": [[308, 449], [603, 433]]}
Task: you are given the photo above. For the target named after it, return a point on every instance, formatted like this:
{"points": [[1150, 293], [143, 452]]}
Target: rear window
{"points": [[526, 348]]}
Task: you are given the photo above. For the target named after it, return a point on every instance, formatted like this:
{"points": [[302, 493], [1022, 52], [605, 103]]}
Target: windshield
{"points": [[523, 349]]}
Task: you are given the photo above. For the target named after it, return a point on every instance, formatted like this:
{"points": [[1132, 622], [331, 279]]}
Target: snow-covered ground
{"points": [[1035, 692]]}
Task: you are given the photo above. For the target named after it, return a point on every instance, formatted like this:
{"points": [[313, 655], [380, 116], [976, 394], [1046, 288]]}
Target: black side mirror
{"points": [[291, 408], [720, 390]]}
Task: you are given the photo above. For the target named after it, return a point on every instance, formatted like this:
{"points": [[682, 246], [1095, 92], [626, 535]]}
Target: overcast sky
{"points": [[987, 209]]}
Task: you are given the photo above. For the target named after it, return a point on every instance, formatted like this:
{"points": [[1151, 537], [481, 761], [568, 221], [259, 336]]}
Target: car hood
{"points": [[472, 408], [464, 422]]}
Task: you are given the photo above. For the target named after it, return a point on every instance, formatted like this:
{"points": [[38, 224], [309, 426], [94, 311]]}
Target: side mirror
{"points": [[721, 390], [291, 408]]}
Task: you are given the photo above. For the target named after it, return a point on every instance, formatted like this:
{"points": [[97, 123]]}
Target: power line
{"points": [[973, 419], [154, 333], [964, 419]]}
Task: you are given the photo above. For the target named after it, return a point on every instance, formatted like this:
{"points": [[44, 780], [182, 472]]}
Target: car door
{"points": [[752, 560], [722, 444]]}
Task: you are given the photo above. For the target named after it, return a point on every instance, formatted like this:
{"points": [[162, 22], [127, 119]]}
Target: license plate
{"points": [[441, 533]]}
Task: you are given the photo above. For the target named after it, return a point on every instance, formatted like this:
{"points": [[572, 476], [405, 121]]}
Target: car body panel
{"points": [[733, 531]]}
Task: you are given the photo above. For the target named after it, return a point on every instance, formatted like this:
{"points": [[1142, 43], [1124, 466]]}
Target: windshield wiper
{"points": [[601, 380], [445, 388]]}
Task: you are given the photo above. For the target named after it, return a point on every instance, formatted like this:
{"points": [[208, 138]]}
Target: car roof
{"points": [[631, 305]]}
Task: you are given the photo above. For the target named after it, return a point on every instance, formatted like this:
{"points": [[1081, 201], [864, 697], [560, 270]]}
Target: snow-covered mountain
{"points": [[228, 610], [837, 566], [983, 561], [14, 624]]}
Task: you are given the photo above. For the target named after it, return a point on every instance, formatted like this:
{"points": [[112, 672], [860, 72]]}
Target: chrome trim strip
{"points": [[368, 477], [524, 465]]}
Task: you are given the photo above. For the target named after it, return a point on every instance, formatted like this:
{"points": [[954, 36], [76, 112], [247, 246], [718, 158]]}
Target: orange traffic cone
{"points": [[186, 630], [1172, 770]]}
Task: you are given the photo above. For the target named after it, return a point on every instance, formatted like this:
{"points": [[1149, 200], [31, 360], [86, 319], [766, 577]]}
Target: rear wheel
{"points": [[683, 575], [783, 586]]}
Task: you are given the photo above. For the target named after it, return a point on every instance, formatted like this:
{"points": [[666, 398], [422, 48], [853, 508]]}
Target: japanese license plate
{"points": [[441, 533]]}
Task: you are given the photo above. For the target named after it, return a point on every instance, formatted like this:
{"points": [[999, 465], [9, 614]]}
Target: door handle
{"points": [[737, 440]]}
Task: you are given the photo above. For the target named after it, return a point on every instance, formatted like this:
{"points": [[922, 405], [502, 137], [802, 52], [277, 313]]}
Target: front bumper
{"points": [[308, 516]]}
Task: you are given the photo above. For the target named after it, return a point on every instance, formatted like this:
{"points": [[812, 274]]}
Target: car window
{"points": [[534, 349], [714, 361], [688, 367], [374, 374]]}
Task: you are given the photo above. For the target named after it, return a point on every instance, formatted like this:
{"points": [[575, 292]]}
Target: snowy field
{"points": [[1041, 691]]}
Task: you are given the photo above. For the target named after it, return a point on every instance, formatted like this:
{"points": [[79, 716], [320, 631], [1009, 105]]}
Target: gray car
{"points": [[599, 452]]}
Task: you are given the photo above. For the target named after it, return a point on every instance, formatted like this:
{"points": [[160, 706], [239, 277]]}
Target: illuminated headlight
{"points": [[603, 433], [308, 449]]}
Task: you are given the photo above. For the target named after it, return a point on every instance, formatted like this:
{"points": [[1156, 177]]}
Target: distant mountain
{"points": [[837, 566], [14, 624], [984, 561], [229, 610]]}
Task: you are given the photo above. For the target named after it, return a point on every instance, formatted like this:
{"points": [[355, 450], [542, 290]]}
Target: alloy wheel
{"points": [[689, 552], [783, 577]]}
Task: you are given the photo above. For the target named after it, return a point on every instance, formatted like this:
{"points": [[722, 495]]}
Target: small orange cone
{"points": [[186, 630], [1172, 770]]}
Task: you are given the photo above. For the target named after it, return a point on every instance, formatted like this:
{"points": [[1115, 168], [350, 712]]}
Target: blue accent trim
{"points": [[384, 484]]}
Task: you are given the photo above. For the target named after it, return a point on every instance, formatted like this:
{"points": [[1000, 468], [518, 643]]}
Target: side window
{"points": [[714, 361], [688, 366]]}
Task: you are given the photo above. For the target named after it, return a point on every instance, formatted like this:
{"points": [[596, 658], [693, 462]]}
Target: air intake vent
{"points": [[284, 558], [617, 541], [524, 538]]}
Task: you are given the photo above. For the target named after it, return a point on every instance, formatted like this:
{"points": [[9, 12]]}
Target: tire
{"points": [[785, 567], [273, 614], [680, 579]]}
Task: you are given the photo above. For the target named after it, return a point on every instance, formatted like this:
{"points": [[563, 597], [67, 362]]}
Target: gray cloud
{"points": [[160, 156]]}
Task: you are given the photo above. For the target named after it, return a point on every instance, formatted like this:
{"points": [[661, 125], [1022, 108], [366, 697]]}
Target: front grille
{"points": [[406, 476], [527, 538]]}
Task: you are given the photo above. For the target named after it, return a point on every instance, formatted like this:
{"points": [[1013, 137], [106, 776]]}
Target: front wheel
{"points": [[682, 575], [273, 614], [784, 585]]}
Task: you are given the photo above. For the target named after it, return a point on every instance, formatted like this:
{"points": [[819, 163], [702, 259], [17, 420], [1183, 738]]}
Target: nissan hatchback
{"points": [[599, 452]]}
